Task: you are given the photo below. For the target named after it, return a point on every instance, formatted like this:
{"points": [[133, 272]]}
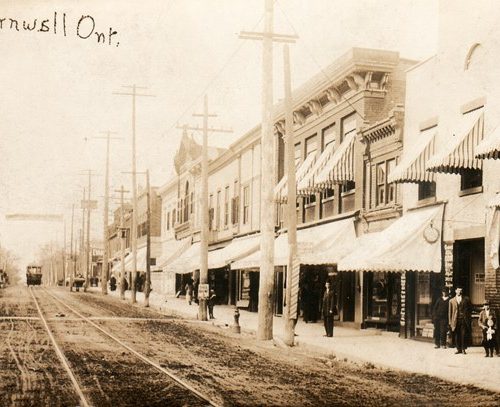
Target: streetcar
{"points": [[33, 275]]}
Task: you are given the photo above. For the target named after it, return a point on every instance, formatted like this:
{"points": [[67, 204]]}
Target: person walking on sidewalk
{"points": [[211, 303], [328, 309], [488, 323], [189, 291], [440, 319], [459, 317]]}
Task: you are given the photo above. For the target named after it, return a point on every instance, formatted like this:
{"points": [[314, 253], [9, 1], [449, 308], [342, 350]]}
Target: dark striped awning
{"points": [[281, 190], [490, 146], [340, 167], [459, 153]]}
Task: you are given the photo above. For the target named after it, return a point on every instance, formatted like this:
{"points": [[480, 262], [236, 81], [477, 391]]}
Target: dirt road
{"points": [[232, 370]]}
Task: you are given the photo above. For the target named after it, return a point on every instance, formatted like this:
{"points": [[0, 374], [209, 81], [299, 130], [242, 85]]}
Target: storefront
{"points": [[399, 268]]}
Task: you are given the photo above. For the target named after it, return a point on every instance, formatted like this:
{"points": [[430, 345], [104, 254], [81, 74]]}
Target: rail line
{"points": [[148, 361], [60, 353]]}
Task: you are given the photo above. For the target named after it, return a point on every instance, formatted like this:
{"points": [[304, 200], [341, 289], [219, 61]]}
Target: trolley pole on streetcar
{"points": [[134, 95], [266, 278], [203, 289]]}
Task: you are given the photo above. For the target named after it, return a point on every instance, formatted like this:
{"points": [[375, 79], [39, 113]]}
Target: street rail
{"points": [[148, 361], [60, 353]]}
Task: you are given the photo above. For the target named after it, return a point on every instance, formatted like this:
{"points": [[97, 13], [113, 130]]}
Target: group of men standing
{"points": [[455, 316]]}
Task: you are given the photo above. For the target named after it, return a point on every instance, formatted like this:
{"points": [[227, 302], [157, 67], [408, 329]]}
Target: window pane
{"points": [[328, 135], [311, 145], [348, 125], [297, 154]]}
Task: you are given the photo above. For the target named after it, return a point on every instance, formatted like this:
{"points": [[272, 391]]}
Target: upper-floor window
{"points": [[226, 206], [328, 135], [211, 212], [217, 211], [311, 145], [246, 204], [235, 204], [426, 190], [168, 221], [471, 178], [348, 125], [297, 155], [385, 192]]}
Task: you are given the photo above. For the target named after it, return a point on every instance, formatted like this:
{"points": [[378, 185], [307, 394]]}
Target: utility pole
{"points": [[73, 264], [64, 254], [203, 288], [134, 95], [147, 289], [293, 267], [105, 257], [266, 285], [82, 240], [122, 244], [88, 262]]}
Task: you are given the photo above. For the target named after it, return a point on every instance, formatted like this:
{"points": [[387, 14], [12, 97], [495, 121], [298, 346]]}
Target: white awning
{"points": [[187, 262], [322, 244], [495, 201], [237, 249], [415, 157], [172, 250], [281, 190], [141, 261], [306, 186], [459, 153], [490, 146], [411, 243], [340, 167]]}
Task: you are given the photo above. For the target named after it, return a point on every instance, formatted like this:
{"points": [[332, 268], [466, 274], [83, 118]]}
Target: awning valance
{"points": [[459, 153], [340, 167], [237, 249], [281, 190], [490, 146], [172, 250], [411, 243], [495, 201], [141, 261], [322, 244], [187, 262], [412, 166], [306, 185]]}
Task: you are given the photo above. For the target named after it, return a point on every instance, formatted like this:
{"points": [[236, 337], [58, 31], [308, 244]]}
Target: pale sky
{"points": [[57, 91]]}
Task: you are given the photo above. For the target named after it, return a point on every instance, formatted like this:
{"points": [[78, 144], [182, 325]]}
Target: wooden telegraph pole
{"points": [[122, 243], [105, 260], [293, 267], [134, 95], [203, 289], [266, 285], [147, 288], [71, 255], [82, 239]]}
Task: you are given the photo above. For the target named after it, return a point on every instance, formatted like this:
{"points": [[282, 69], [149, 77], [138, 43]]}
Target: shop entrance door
{"points": [[348, 296], [468, 266]]}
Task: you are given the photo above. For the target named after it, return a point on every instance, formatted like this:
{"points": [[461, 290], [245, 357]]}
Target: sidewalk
{"points": [[383, 349]]}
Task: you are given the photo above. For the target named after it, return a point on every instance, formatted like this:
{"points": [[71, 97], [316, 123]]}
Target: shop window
{"points": [[426, 190], [383, 301], [471, 178]]}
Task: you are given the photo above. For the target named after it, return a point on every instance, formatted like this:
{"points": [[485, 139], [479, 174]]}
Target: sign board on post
{"points": [[203, 291]]}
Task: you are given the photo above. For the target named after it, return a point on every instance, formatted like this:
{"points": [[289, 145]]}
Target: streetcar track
{"points": [[148, 361], [60, 354]]}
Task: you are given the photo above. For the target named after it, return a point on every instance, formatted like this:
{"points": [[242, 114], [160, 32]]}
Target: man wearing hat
{"points": [[440, 318], [486, 314], [459, 318]]}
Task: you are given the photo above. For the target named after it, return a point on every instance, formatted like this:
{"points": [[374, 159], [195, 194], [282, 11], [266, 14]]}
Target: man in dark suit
{"points": [[460, 318], [328, 309]]}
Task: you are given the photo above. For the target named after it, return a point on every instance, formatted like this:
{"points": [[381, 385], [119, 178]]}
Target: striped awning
{"points": [[459, 153], [340, 167], [411, 243], [490, 146], [495, 201], [306, 184], [281, 190], [412, 166]]}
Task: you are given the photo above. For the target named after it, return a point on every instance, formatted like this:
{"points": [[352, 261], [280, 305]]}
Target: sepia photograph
{"points": [[249, 203]]}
